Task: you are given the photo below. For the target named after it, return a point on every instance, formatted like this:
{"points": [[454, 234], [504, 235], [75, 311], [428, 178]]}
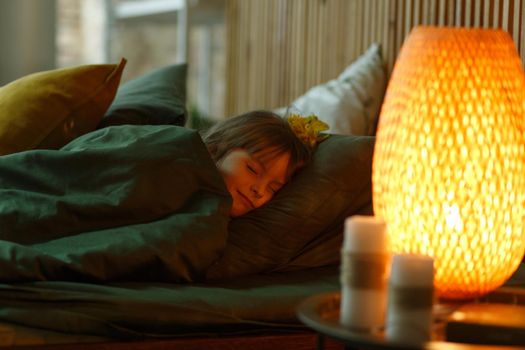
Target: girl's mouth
{"points": [[248, 203]]}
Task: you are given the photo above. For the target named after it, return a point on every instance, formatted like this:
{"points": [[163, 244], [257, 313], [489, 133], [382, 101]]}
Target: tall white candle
{"points": [[410, 299], [364, 272]]}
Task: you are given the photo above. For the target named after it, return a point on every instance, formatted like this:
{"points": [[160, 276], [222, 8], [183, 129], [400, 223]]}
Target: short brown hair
{"points": [[257, 131]]}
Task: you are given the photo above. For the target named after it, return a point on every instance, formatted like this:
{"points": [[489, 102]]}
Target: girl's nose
{"points": [[255, 192]]}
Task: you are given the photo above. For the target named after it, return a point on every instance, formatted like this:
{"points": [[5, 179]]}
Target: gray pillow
{"points": [[349, 104], [156, 98], [307, 212]]}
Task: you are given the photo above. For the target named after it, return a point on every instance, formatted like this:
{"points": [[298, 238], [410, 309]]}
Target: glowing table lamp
{"points": [[449, 163]]}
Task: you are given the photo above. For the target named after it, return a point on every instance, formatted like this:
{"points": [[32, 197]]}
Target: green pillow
{"points": [[156, 98], [308, 210], [49, 109], [324, 250]]}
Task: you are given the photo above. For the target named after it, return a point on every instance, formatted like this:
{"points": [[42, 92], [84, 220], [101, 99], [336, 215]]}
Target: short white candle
{"points": [[410, 295], [365, 244]]}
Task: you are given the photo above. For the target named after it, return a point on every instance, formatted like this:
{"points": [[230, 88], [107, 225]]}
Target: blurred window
{"points": [[150, 34]]}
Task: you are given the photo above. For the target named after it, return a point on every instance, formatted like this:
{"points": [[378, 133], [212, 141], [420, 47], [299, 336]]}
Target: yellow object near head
{"points": [[308, 129]]}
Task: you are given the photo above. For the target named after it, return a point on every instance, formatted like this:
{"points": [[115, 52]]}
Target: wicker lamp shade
{"points": [[449, 163]]}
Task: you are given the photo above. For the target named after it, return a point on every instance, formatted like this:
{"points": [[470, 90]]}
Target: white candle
{"points": [[364, 273], [410, 298]]}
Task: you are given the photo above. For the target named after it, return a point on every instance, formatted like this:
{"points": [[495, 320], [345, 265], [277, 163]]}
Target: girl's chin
{"points": [[238, 210]]}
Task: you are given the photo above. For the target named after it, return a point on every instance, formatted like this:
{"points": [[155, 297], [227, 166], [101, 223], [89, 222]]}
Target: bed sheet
{"points": [[144, 310]]}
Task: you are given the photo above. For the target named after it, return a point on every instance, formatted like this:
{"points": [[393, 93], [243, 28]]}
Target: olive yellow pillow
{"points": [[48, 109]]}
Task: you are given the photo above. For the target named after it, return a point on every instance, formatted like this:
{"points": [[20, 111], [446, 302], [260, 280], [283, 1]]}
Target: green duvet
{"points": [[140, 203], [102, 237]]}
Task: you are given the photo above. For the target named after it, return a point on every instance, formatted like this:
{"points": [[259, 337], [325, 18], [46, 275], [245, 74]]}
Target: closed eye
{"points": [[251, 169], [275, 188]]}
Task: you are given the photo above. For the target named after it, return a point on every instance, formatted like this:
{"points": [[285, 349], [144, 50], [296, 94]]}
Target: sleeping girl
{"points": [[256, 153], [141, 202]]}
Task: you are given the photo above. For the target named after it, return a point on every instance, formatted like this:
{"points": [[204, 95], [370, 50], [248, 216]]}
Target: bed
{"points": [[91, 256], [244, 292]]}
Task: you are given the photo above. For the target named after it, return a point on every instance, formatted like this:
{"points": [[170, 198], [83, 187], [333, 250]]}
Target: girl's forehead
{"points": [[268, 153], [268, 157]]}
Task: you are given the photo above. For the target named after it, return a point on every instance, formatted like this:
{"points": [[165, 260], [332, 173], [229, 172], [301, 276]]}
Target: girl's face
{"points": [[252, 180]]}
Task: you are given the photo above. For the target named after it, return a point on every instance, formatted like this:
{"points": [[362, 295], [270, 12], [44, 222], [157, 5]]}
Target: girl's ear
{"points": [[212, 149]]}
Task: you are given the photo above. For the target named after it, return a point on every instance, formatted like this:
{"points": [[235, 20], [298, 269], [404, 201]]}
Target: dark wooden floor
{"points": [[294, 341]]}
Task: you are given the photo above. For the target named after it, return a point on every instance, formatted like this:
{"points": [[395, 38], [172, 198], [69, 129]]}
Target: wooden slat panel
{"points": [[278, 49]]}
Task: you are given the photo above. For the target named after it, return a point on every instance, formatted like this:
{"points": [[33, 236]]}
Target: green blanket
{"points": [[141, 203]]}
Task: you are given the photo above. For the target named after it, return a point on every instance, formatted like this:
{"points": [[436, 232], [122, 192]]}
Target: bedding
{"points": [[147, 203], [124, 231], [139, 271], [132, 310], [126, 202], [155, 98]]}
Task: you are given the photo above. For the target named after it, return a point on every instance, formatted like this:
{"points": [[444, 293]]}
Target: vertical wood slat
{"points": [[477, 13], [486, 14], [294, 25], [313, 32], [408, 17], [398, 28], [243, 51], [230, 54], [271, 52], [351, 13], [262, 50], [300, 79], [441, 12], [375, 23], [457, 14], [467, 14], [416, 12], [516, 23], [495, 14], [505, 22], [359, 26], [255, 61], [320, 25], [391, 44], [366, 21], [522, 34], [278, 49]]}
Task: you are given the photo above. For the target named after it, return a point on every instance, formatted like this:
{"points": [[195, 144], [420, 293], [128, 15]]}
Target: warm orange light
{"points": [[449, 163]]}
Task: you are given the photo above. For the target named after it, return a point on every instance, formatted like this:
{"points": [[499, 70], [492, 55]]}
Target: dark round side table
{"points": [[321, 313]]}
